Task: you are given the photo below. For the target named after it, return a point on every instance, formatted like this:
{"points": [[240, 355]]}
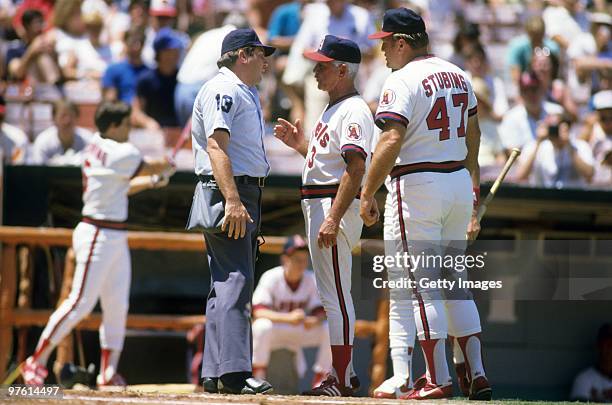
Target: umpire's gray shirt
{"points": [[225, 102]]}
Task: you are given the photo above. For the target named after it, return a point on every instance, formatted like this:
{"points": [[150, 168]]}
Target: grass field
{"points": [[182, 394]]}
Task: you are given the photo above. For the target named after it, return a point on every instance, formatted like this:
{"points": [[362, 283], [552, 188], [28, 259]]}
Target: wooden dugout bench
{"points": [[16, 284]]}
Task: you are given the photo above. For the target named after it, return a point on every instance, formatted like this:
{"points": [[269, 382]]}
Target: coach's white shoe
{"points": [[33, 372], [392, 388]]}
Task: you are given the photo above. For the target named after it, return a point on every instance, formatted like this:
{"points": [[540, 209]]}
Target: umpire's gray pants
{"points": [[228, 344]]}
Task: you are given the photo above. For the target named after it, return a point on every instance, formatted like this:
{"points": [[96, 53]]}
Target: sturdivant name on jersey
{"points": [[443, 80], [96, 152]]}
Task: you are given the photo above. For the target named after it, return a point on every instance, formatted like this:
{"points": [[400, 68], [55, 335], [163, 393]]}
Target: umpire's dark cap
{"points": [[241, 38], [400, 21], [335, 48]]}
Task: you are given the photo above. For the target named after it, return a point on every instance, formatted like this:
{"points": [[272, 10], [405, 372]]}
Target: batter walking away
{"points": [[112, 169]]}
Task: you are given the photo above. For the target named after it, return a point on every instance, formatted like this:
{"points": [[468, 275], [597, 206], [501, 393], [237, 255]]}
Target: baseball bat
{"points": [[511, 159], [13, 375], [185, 133]]}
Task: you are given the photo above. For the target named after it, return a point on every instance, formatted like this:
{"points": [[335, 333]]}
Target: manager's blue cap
{"points": [[241, 38], [400, 21], [335, 48]]}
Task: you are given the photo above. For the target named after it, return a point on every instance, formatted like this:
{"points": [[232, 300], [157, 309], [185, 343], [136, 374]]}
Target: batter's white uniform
{"points": [[346, 125], [432, 191], [274, 292], [103, 267]]}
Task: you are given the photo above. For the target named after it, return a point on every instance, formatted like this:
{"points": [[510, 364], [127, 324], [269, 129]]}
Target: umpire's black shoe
{"points": [[249, 386], [210, 385]]}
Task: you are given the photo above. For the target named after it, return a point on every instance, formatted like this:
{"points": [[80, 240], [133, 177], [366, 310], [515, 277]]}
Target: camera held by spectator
{"points": [[553, 159]]}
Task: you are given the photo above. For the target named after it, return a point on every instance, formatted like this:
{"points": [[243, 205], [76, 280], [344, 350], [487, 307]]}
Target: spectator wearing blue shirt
{"points": [[119, 80], [521, 49], [284, 25], [153, 106]]}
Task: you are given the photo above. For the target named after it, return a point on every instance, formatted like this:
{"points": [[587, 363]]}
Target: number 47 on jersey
{"points": [[438, 117]]}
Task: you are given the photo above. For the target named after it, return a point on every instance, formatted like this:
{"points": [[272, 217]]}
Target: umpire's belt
{"points": [[436, 167], [245, 180], [323, 191], [101, 223]]}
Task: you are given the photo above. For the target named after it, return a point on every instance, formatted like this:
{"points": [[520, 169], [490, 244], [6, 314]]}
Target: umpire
{"points": [[230, 161]]}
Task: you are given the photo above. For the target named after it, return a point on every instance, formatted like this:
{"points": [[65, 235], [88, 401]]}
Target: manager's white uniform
{"points": [[346, 125]]}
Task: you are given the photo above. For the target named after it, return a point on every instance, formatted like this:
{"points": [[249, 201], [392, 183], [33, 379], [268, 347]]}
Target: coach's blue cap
{"points": [[335, 48], [295, 242], [400, 21], [166, 38], [241, 38]]}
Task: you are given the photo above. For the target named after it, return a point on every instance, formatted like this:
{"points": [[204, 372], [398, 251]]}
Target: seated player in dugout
{"points": [[289, 315]]}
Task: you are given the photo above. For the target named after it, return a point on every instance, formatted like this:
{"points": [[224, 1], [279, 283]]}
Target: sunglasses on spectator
{"points": [[541, 51]]}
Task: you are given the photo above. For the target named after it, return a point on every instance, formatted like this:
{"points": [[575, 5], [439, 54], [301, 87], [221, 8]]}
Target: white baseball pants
{"points": [[269, 336], [333, 266], [103, 270]]}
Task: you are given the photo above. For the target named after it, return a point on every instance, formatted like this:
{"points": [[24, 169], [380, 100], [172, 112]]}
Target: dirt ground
{"points": [[183, 394]]}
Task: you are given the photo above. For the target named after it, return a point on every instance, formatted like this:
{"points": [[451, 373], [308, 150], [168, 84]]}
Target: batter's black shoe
{"points": [[250, 386], [355, 383], [210, 385]]}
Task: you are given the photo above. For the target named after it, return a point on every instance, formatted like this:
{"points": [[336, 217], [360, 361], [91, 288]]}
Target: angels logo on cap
{"points": [[354, 132], [388, 98]]}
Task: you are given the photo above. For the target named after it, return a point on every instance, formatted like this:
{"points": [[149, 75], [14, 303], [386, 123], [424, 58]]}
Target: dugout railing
{"points": [[16, 279]]}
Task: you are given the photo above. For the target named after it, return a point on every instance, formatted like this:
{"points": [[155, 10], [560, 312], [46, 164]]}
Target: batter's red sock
{"points": [[435, 357], [109, 361], [472, 352], [43, 351], [341, 358]]}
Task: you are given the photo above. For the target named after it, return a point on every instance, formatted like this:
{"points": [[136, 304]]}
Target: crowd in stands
{"points": [[541, 70]]}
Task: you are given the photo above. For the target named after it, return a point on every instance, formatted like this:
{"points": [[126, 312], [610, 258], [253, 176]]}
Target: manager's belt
{"points": [[101, 223], [436, 167], [329, 191], [245, 180]]}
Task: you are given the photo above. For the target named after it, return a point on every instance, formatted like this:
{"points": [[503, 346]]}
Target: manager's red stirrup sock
{"points": [[341, 358], [460, 367], [435, 357], [472, 352]]}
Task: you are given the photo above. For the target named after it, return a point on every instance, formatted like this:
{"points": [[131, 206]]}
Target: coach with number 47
{"points": [[230, 162]]}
